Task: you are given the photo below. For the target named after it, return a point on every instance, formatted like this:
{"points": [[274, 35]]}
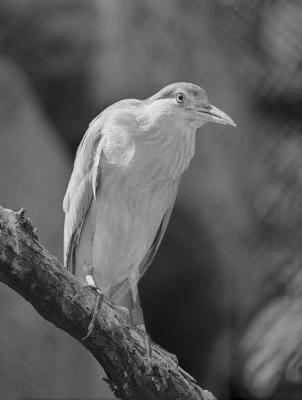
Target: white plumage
{"points": [[124, 184]]}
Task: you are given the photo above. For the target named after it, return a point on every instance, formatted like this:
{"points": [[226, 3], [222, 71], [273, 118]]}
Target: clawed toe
{"points": [[120, 309], [95, 289], [87, 287], [99, 299], [147, 344], [123, 312]]}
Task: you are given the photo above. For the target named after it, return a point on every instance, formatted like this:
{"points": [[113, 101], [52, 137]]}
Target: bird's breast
{"points": [[165, 155], [162, 152], [132, 200], [130, 207]]}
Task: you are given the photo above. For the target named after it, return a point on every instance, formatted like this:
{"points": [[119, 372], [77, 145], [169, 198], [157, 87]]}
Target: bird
{"points": [[123, 187]]}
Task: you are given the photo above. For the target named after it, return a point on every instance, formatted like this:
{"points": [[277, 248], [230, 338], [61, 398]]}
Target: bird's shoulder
{"points": [[119, 126], [114, 124], [83, 161], [118, 114], [107, 135]]}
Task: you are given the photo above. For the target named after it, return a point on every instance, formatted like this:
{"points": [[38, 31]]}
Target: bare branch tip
{"points": [[21, 213]]}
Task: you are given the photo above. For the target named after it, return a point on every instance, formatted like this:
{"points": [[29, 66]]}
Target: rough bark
{"points": [[28, 268]]}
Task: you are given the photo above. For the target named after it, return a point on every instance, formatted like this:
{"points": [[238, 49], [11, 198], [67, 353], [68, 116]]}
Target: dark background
{"points": [[224, 291]]}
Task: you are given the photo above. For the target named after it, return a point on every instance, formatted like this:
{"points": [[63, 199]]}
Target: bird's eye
{"points": [[180, 97]]}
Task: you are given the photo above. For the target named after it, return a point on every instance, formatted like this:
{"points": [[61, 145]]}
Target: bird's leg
{"points": [[121, 309], [89, 278], [100, 296], [137, 317]]}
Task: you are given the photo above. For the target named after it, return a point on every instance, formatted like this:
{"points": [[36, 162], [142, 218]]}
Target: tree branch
{"points": [[28, 268]]}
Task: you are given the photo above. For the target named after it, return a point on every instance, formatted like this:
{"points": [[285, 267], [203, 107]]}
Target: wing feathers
{"points": [[81, 188], [78, 205], [95, 173]]}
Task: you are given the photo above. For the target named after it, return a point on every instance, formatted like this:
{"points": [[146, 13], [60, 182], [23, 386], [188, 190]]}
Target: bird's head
{"points": [[184, 103]]}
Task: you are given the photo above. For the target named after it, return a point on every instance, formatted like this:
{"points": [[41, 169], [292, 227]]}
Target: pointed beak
{"points": [[211, 113]]}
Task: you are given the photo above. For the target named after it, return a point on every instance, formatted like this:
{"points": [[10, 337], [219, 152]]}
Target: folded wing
{"points": [[81, 188]]}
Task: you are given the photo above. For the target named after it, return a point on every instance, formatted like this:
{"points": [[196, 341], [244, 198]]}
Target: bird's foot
{"points": [[123, 312], [87, 287], [137, 319], [98, 303], [138, 324], [100, 297], [147, 345], [147, 340], [91, 285]]}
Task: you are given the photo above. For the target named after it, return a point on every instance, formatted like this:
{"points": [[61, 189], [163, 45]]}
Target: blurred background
{"points": [[224, 292]]}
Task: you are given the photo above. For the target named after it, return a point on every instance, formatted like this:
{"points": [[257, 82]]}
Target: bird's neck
{"points": [[172, 147]]}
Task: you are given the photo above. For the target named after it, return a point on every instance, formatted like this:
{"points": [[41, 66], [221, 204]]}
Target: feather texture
{"points": [[85, 177], [119, 291], [79, 192], [123, 188]]}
